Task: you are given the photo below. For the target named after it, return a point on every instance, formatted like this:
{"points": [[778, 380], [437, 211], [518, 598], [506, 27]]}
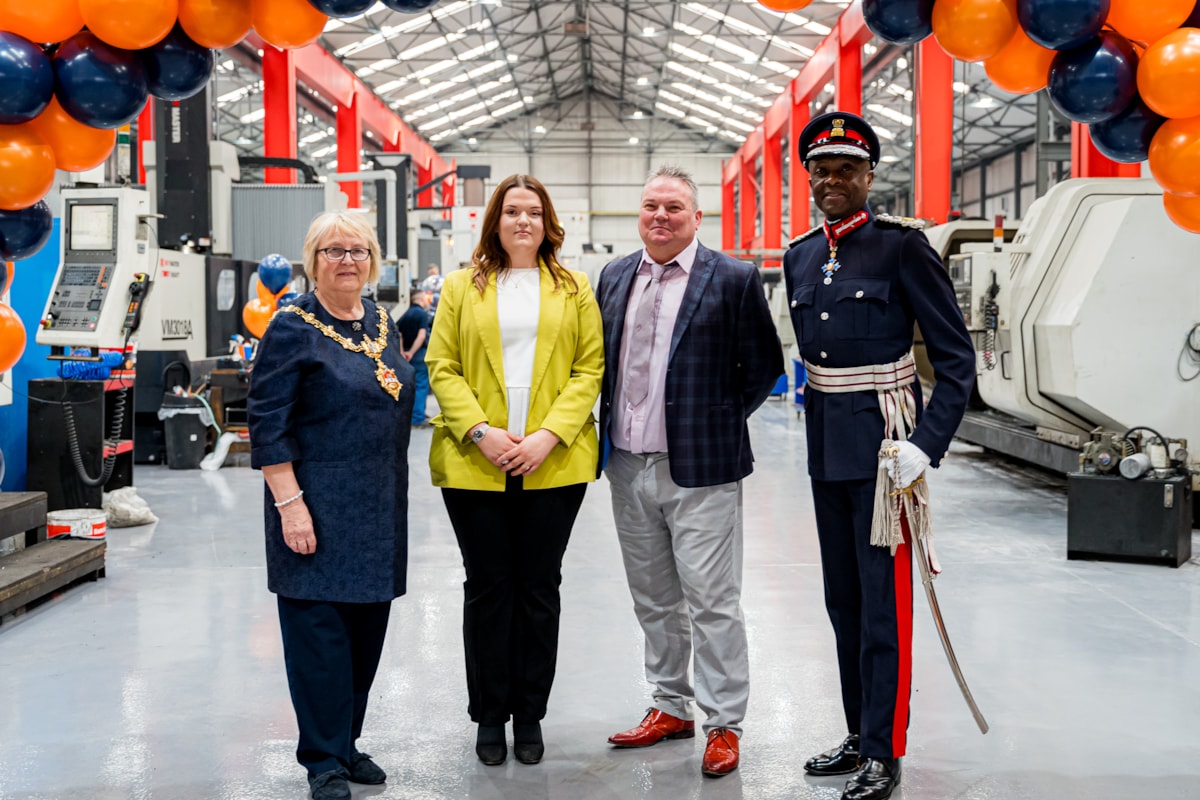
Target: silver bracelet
{"points": [[283, 503]]}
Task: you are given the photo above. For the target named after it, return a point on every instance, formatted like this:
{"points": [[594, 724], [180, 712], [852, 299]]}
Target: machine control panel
{"points": [[77, 299], [960, 276], [105, 246]]}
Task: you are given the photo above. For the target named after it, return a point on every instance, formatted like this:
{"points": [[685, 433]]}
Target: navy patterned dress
{"points": [[319, 406]]}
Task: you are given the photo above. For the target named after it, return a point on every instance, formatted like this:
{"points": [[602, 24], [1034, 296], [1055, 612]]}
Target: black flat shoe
{"points": [[841, 760], [877, 779], [528, 746], [364, 770], [490, 745]]}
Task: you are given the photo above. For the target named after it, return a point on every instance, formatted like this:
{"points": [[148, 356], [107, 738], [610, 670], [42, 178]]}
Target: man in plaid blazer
{"points": [[691, 351]]}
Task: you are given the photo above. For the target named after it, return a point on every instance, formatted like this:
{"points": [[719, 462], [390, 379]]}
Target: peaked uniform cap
{"points": [[838, 133]]}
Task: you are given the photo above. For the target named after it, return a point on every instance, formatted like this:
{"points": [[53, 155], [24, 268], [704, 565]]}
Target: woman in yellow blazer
{"points": [[515, 361]]}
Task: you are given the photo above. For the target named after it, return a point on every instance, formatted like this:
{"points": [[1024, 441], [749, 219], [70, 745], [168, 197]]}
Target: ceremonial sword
{"points": [[940, 624]]}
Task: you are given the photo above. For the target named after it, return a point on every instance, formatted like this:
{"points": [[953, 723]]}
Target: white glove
{"points": [[908, 465]]}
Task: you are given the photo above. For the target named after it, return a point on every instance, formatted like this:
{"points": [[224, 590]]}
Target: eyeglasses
{"points": [[339, 253]]}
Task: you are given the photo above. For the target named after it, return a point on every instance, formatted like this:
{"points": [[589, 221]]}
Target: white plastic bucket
{"points": [[82, 523]]}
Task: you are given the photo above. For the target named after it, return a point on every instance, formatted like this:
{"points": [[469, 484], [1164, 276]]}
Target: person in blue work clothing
{"points": [[414, 326], [329, 396], [856, 286]]}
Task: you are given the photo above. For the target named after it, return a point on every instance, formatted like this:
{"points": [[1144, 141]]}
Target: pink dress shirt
{"points": [[643, 428]]}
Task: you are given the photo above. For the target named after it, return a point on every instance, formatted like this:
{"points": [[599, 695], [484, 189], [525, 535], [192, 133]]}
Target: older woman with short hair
{"points": [[330, 399]]}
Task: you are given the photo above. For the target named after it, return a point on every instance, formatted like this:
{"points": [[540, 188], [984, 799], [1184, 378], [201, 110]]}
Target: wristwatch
{"points": [[478, 434]]}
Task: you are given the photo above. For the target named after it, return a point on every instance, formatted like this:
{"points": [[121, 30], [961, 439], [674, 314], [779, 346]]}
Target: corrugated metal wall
{"points": [[273, 218]]}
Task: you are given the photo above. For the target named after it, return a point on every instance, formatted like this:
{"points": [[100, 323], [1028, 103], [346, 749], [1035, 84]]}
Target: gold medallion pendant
{"points": [[371, 348]]}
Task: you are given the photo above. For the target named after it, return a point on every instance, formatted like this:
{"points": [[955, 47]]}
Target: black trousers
{"points": [[868, 594], [512, 545], [331, 651]]}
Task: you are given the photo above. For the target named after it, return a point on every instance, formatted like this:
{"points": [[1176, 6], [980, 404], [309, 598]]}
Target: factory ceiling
{"points": [[662, 77]]}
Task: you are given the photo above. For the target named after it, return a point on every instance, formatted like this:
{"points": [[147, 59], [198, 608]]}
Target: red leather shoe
{"points": [[654, 727], [721, 753]]}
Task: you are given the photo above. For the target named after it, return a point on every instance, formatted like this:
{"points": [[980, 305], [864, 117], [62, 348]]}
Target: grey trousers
{"points": [[683, 558]]}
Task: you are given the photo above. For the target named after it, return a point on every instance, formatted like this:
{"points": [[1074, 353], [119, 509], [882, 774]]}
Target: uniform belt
{"points": [[869, 378]]}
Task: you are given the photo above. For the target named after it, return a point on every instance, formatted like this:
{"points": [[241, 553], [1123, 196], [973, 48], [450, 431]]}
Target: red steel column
{"points": [[349, 148], [424, 176], [848, 83], [749, 210], [729, 178], [145, 133], [772, 190], [933, 130], [449, 188], [279, 103], [798, 189], [1088, 162]]}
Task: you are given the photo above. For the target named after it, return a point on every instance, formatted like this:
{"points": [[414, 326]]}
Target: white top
{"points": [[518, 303]]}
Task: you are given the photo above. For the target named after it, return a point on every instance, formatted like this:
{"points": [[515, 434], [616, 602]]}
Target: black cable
{"points": [[1190, 353], [1166, 445], [110, 461]]}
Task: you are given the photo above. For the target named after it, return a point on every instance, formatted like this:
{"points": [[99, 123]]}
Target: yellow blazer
{"points": [[466, 374]]}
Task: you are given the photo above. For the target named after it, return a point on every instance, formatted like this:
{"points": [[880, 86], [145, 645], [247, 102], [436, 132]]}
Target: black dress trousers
{"points": [[512, 545], [331, 651]]}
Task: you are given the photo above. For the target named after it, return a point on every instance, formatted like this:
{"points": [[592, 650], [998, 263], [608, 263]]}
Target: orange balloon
{"points": [[256, 316], [784, 6], [76, 146], [42, 21], [215, 23], [287, 23], [1175, 156], [1022, 66], [974, 30], [1183, 210], [267, 296], [26, 167], [1147, 22], [1168, 74], [130, 24], [12, 338]]}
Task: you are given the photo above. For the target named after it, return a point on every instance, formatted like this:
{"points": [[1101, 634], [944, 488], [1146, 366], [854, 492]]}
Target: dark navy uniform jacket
{"points": [[319, 406], [890, 278]]}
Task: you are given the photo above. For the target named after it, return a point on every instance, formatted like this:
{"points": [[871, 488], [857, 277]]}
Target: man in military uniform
{"points": [[856, 286]]}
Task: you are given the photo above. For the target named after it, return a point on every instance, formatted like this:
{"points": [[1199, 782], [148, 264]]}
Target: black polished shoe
{"points": [[364, 770], [490, 745], [841, 760], [875, 781], [528, 746]]}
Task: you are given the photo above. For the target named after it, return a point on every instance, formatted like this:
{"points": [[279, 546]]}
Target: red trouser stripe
{"points": [[902, 563]]}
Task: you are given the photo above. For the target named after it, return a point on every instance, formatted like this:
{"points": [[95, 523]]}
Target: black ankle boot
{"points": [[490, 745], [528, 746]]}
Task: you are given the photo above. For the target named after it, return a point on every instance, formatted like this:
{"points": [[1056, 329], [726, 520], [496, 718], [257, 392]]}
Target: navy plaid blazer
{"points": [[725, 358]]}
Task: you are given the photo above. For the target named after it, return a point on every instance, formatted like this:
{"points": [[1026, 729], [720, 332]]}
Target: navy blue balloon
{"points": [[1193, 21], [1126, 137], [410, 6], [341, 8], [899, 21], [1062, 24], [274, 272], [98, 84], [177, 67], [286, 299], [1094, 82], [22, 233], [27, 79]]}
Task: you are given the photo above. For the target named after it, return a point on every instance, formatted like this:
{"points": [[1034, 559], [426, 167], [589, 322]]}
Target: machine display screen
{"points": [[92, 227]]}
